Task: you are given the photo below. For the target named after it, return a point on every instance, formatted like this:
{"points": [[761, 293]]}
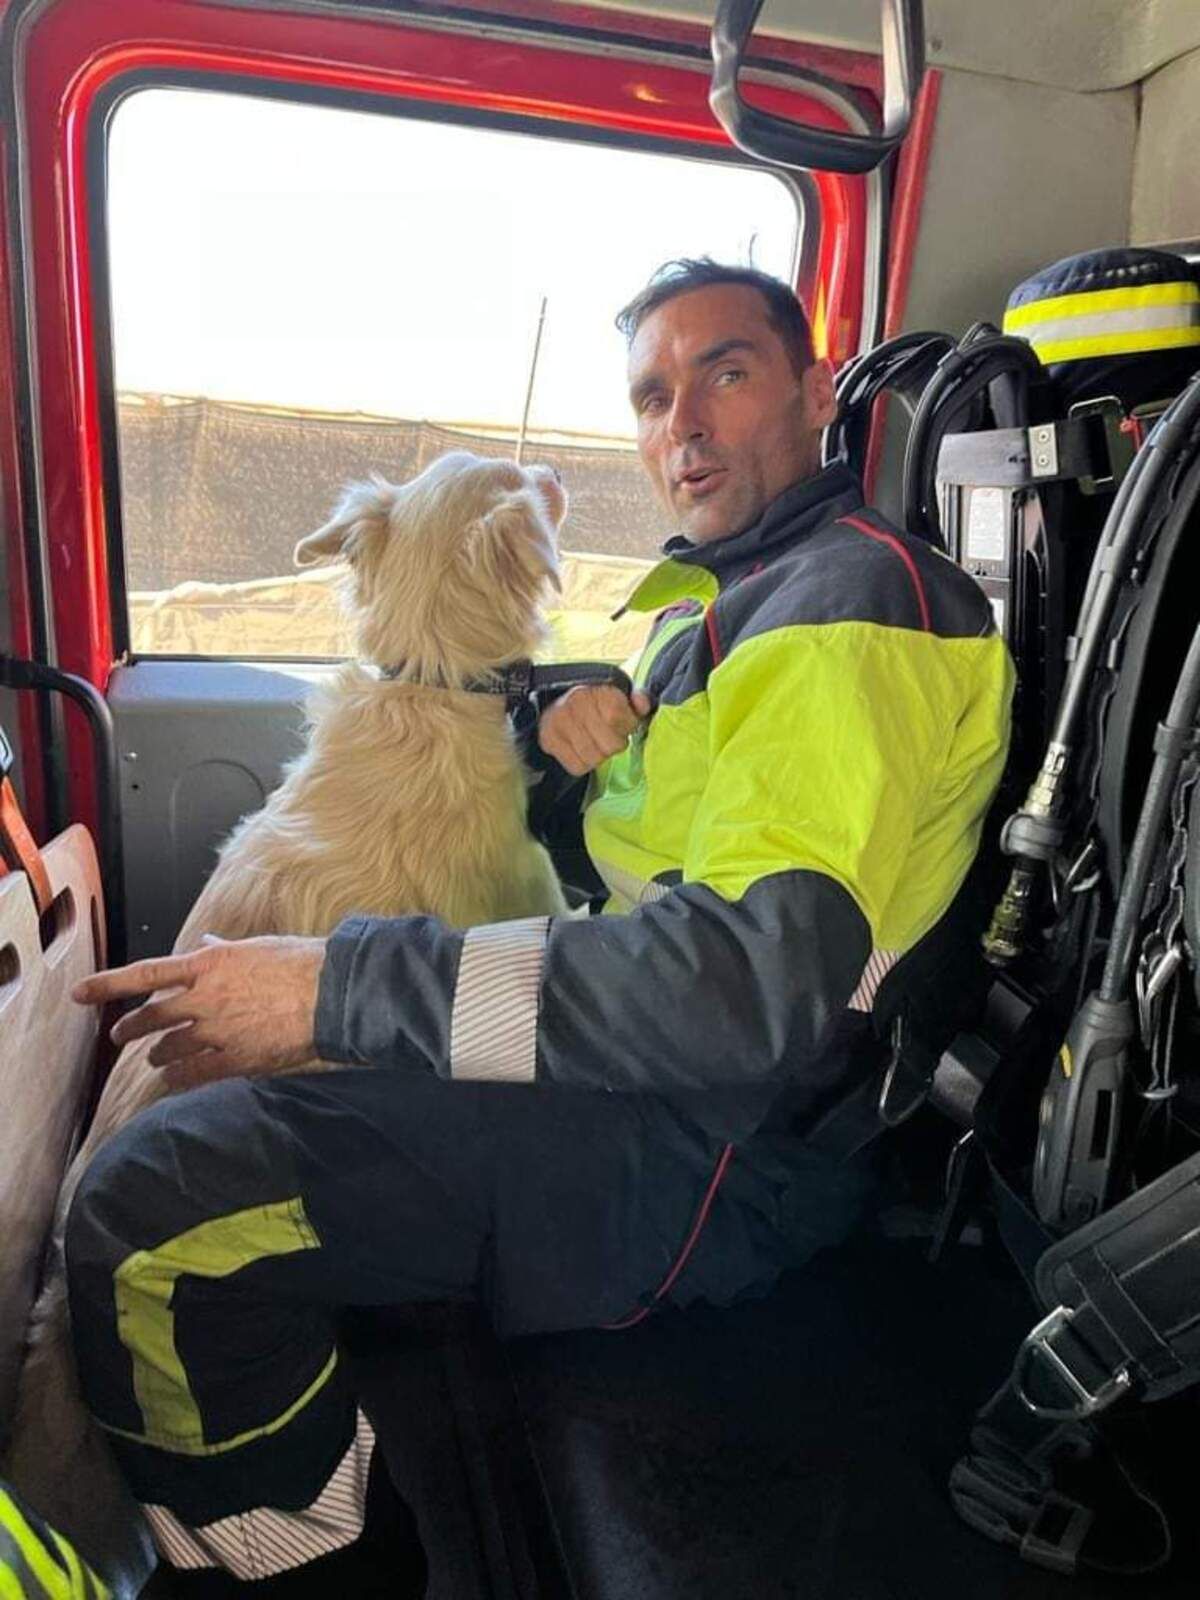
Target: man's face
{"points": [[725, 423]]}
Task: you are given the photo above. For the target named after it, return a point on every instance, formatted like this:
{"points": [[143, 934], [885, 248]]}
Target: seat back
{"points": [[47, 1047]]}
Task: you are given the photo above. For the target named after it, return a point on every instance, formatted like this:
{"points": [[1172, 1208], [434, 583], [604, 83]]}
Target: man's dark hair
{"points": [[784, 311]]}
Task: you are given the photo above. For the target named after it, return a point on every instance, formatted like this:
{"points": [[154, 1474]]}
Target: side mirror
{"points": [[794, 144]]}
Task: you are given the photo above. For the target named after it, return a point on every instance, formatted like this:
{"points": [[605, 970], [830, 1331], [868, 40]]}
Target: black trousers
{"points": [[214, 1241]]}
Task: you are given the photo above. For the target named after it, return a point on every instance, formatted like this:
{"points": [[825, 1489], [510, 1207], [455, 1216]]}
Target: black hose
{"points": [[1191, 889], [901, 366], [1128, 520], [1145, 498], [1180, 724], [962, 376], [18, 674]]}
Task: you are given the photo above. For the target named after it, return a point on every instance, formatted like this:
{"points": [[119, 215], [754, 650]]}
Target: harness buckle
{"points": [[1089, 1402], [1016, 1506], [1119, 446], [906, 1083]]}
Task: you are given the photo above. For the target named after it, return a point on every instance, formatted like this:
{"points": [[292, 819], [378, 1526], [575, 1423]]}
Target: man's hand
{"points": [[588, 724], [237, 1009]]}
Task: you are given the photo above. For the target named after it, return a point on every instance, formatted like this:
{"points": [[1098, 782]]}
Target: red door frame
{"points": [[76, 51]]}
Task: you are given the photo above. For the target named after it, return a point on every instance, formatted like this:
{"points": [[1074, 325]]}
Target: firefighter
{"points": [[569, 1120]]}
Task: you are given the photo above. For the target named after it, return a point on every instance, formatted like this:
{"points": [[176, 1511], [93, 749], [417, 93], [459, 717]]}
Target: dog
{"points": [[408, 797]]}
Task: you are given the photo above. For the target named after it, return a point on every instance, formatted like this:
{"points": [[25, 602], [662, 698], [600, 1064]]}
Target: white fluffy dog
{"points": [[409, 797]]}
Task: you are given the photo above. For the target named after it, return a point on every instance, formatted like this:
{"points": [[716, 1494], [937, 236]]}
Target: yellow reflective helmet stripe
{"points": [[1109, 322], [1115, 344], [1090, 301], [144, 1287]]}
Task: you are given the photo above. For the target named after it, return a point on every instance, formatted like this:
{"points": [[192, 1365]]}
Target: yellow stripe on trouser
{"points": [[144, 1287], [28, 1571]]}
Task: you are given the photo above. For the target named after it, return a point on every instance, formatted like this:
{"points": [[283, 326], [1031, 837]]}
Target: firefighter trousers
{"points": [[214, 1241]]}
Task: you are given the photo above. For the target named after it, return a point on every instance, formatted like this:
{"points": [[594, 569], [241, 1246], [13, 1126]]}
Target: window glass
{"points": [[302, 294]]}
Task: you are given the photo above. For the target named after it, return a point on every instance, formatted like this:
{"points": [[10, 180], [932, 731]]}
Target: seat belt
{"points": [[18, 851]]}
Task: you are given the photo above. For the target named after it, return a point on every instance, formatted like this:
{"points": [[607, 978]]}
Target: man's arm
{"points": [[247, 1007], [824, 748]]}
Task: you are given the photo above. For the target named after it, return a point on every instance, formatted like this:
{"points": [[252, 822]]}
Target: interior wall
{"points": [[1075, 44], [1019, 176], [1166, 175]]}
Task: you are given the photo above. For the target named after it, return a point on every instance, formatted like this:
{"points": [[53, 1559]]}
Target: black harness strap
{"points": [[1134, 1335], [1055, 1465]]}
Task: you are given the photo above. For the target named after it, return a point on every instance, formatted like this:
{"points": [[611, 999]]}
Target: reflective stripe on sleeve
{"points": [[259, 1543], [493, 1024]]}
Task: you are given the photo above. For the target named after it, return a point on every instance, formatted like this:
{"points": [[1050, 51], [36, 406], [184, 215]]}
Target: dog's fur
{"points": [[409, 797]]}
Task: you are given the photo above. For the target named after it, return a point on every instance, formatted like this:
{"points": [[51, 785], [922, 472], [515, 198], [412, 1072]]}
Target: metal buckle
{"points": [[1016, 1506], [890, 1116], [1091, 1401], [6, 755], [1119, 446], [1056, 1535]]}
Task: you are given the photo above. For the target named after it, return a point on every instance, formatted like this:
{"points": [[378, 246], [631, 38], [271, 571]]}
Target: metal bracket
{"points": [[1119, 445], [1043, 450]]}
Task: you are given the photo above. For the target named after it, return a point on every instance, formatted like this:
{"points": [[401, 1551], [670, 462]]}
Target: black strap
{"points": [[1069, 1498], [1020, 458], [1138, 1339], [1122, 1290]]}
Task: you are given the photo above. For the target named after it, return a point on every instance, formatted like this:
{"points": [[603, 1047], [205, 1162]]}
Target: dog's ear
{"points": [[513, 546], [363, 510]]}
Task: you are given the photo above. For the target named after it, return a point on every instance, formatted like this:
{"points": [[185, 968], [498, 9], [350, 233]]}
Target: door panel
{"points": [[200, 745]]}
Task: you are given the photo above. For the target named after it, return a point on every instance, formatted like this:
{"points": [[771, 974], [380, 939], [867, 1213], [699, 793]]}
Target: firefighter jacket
{"points": [[831, 717]]}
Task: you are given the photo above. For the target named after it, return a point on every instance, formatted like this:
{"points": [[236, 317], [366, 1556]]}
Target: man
{"points": [[788, 804]]}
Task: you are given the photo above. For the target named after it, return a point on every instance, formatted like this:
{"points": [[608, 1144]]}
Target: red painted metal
{"points": [[77, 50], [12, 549], [911, 173]]}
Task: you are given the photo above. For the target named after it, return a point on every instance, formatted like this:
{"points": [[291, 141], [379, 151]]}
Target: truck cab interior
{"points": [[253, 248]]}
